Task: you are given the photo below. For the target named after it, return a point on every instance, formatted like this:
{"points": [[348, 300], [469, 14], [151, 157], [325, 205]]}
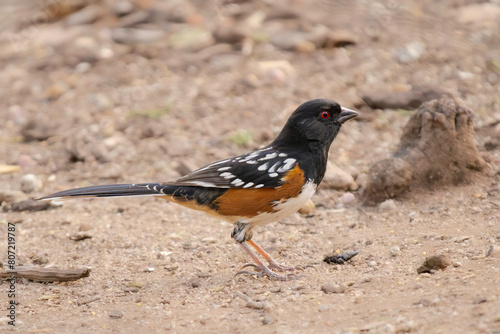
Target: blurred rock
{"points": [[478, 13], [86, 15], [38, 130], [31, 206], [395, 251], [434, 263], [191, 38], [333, 287], [307, 208], [116, 314], [410, 52], [387, 205], [10, 196], [230, 33], [339, 38], [320, 37], [136, 36], [30, 183], [134, 18], [122, 7], [336, 178], [494, 251], [413, 98], [86, 145], [293, 41], [347, 199]]}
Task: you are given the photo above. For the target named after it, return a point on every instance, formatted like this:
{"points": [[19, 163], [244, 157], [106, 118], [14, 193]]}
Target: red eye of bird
{"points": [[325, 115]]}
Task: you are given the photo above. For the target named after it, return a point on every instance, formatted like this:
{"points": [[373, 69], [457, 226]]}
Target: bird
{"points": [[253, 189]]}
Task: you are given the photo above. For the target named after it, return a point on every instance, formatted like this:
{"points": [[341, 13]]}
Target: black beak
{"points": [[346, 115]]}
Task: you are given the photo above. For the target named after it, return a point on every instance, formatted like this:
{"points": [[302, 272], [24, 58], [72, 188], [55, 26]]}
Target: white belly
{"points": [[286, 208]]}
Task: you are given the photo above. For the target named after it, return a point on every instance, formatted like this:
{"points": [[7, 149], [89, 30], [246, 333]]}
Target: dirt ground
{"points": [[125, 98]]}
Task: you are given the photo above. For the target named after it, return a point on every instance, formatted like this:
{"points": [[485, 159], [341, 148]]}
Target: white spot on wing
{"points": [[227, 175], [251, 162], [273, 174], [259, 186], [236, 181], [263, 167], [248, 185], [202, 183], [211, 165], [223, 169], [287, 164], [269, 156], [273, 168], [282, 155]]}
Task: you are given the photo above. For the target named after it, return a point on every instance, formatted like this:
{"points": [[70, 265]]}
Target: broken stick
{"points": [[46, 274]]}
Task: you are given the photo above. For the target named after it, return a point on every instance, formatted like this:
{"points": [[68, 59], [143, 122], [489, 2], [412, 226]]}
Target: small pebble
{"points": [[366, 278], [30, 183], [117, 314], [150, 269], [323, 308], [395, 250], [195, 282], [348, 199], [209, 240], [267, 320], [413, 215], [494, 251], [308, 208], [333, 287], [387, 205]]}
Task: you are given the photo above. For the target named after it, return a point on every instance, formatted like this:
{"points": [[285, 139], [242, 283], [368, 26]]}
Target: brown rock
{"points": [[434, 263], [411, 99], [333, 287], [308, 208], [85, 15], [31, 206], [437, 148]]}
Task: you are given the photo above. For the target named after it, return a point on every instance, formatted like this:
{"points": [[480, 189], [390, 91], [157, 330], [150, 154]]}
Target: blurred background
{"points": [[149, 89]]}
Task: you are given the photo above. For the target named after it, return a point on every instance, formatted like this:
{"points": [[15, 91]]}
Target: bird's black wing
{"points": [[264, 168]]}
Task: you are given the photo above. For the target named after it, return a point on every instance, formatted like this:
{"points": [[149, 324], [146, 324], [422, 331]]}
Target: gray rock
{"points": [[336, 178], [136, 36], [85, 15], [117, 314], [494, 251], [333, 287], [410, 99], [410, 52], [30, 183], [387, 205]]}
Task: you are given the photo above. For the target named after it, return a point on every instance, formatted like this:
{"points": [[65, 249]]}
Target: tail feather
{"points": [[115, 190]]}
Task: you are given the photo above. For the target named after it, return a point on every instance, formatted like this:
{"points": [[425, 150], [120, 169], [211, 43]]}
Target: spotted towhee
{"points": [[256, 188]]}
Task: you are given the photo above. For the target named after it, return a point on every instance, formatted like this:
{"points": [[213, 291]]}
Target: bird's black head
{"points": [[314, 124]]}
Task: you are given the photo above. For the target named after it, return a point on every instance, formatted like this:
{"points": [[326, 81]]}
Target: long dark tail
{"points": [[176, 193], [115, 190]]}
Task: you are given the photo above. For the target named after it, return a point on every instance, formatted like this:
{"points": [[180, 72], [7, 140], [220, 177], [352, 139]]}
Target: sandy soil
{"points": [[80, 109]]}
